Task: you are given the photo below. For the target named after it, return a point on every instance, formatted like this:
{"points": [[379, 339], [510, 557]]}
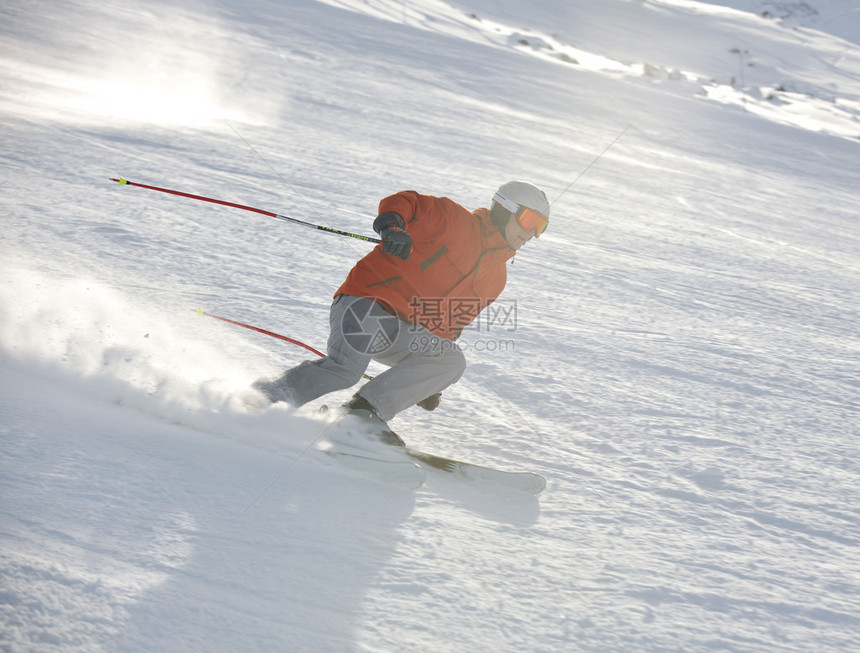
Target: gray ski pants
{"points": [[420, 363]]}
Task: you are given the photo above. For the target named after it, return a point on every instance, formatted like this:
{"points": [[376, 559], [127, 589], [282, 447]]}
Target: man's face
{"points": [[515, 234]]}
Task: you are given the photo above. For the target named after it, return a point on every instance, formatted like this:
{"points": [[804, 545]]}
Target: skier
{"points": [[405, 303]]}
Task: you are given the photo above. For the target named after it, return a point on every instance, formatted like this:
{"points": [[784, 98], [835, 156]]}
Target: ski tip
{"points": [[120, 180]]}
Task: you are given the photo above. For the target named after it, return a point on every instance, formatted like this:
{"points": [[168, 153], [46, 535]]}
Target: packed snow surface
{"points": [[678, 355]]}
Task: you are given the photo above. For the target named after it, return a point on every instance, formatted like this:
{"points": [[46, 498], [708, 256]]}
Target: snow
{"points": [[679, 356]]}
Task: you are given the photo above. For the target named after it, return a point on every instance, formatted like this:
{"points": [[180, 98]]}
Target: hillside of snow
{"points": [[679, 354], [835, 17]]}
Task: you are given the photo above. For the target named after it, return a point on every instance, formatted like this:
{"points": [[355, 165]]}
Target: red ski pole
{"points": [[200, 311], [286, 218]]}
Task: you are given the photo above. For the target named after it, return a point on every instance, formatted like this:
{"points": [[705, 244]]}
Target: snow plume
{"points": [[126, 63], [118, 346]]}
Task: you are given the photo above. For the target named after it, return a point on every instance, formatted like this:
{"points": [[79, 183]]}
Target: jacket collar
{"points": [[492, 237]]}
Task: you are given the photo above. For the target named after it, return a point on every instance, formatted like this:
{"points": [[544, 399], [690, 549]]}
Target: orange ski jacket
{"points": [[457, 267]]}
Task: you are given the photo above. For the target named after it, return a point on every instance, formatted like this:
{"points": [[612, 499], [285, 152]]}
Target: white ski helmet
{"points": [[514, 196]]}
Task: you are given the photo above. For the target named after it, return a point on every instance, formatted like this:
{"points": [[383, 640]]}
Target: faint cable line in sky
{"points": [[283, 472], [592, 164]]}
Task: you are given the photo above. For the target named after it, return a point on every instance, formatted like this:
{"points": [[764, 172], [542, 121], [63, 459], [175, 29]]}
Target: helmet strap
{"points": [[499, 216]]}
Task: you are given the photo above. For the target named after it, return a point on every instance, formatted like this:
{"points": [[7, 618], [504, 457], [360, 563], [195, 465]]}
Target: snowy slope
{"points": [[682, 367], [837, 17]]}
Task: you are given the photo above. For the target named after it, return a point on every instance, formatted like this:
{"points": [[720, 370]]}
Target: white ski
{"points": [[524, 481], [401, 473]]}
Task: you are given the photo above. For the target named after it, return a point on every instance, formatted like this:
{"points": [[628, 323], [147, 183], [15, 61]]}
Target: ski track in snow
{"points": [[678, 356]]}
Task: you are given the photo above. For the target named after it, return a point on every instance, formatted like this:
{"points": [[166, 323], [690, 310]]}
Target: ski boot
{"points": [[361, 408]]}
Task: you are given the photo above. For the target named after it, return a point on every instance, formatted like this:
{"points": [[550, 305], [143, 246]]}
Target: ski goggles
{"points": [[532, 220], [529, 219]]}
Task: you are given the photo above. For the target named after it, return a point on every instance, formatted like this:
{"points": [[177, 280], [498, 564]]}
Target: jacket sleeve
{"points": [[405, 204]]}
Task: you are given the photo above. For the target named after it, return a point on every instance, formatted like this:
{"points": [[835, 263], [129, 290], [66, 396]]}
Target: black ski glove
{"points": [[395, 241]]}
